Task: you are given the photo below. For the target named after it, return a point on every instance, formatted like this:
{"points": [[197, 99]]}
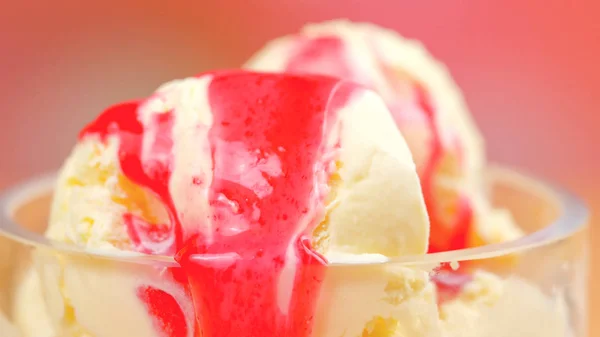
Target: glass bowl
{"points": [[533, 286]]}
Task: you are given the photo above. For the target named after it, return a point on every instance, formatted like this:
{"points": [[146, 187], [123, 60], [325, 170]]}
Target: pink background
{"points": [[529, 69]]}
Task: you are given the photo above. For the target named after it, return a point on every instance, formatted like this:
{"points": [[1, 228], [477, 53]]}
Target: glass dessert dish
{"points": [[532, 286]]}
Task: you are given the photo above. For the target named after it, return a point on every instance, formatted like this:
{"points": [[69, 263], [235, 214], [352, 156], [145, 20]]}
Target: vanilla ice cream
{"points": [[362, 171], [428, 108], [7, 329]]}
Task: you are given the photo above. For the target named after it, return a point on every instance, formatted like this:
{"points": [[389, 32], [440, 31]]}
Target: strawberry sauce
{"points": [[122, 121], [444, 235], [255, 274], [449, 284], [330, 55]]}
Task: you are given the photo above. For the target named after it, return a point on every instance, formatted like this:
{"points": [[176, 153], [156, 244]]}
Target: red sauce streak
{"points": [[267, 146], [445, 236], [326, 55], [329, 55], [450, 284], [122, 121], [167, 314], [273, 125]]}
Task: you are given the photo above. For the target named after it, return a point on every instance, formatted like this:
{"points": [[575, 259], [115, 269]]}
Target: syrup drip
{"points": [[445, 236], [256, 274], [449, 284], [324, 56], [122, 121], [312, 56]]}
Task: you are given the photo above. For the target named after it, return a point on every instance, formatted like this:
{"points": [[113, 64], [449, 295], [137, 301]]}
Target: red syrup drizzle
{"points": [[449, 284], [445, 234], [274, 126], [154, 174], [326, 55], [311, 55], [122, 121], [267, 142], [167, 314]]}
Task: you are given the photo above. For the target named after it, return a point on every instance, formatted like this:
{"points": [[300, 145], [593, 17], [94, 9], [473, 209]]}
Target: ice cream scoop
{"points": [[251, 181], [428, 108]]}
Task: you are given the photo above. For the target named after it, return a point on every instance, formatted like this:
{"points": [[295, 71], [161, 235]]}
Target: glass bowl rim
{"points": [[573, 216]]}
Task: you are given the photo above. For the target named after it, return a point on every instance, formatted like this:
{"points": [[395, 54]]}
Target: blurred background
{"points": [[529, 69]]}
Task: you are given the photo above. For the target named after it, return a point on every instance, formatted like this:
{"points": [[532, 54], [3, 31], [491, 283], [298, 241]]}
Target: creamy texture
{"points": [[30, 311], [512, 307], [6, 328], [363, 171], [428, 108], [374, 301]]}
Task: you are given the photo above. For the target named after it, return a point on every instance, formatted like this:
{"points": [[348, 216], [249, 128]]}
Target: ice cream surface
{"points": [[248, 180], [7, 329], [428, 108]]}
